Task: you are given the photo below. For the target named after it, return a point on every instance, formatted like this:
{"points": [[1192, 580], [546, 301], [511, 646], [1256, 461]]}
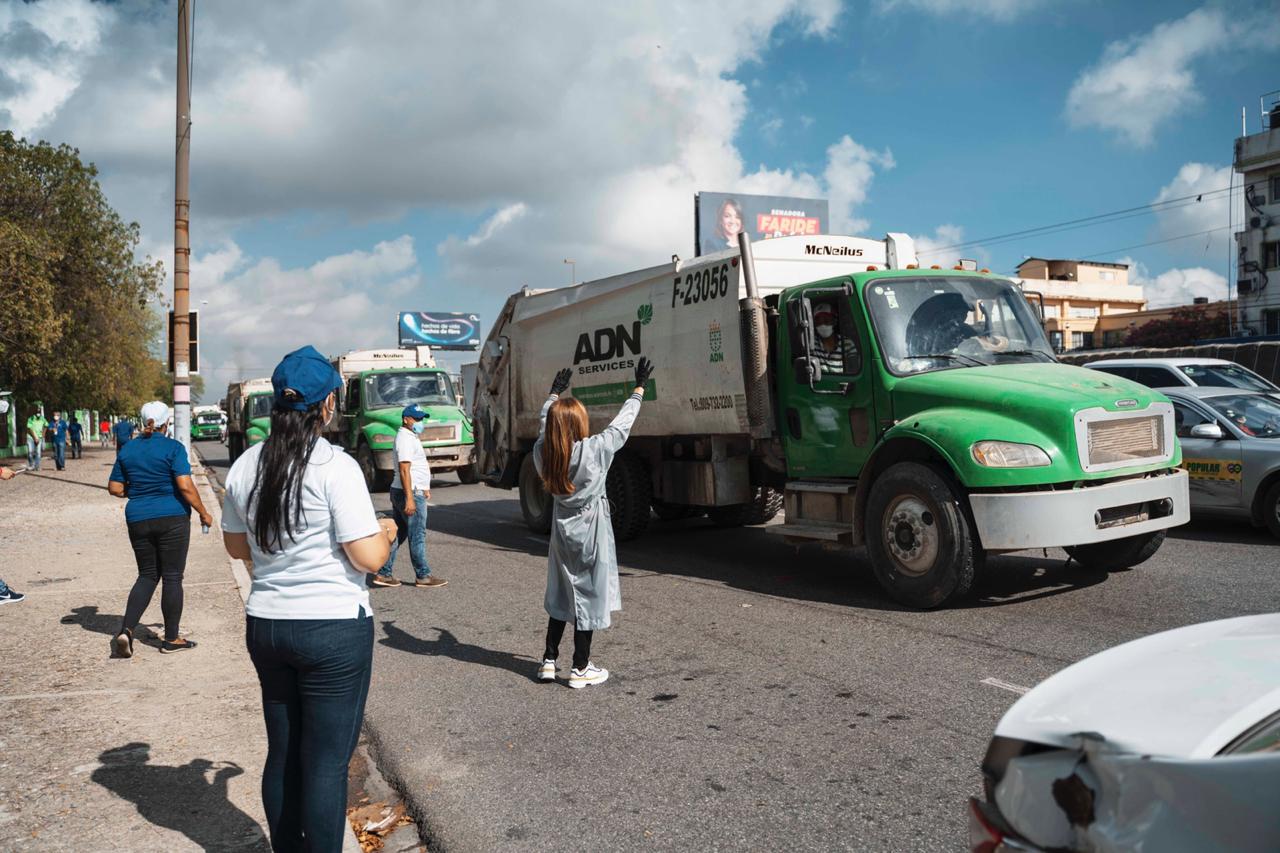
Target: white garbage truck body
{"points": [[691, 449]]}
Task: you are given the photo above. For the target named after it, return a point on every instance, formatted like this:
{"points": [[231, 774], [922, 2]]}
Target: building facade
{"points": [[1078, 295], [1257, 160]]}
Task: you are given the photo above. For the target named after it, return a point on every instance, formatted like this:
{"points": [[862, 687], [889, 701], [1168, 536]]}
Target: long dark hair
{"points": [[277, 486], [566, 424]]}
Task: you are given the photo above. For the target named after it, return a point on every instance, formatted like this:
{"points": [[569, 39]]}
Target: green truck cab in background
{"points": [[248, 415], [377, 385], [945, 430], [207, 423]]}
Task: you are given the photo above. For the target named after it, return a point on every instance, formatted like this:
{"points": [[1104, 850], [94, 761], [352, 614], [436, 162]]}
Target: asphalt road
{"points": [[762, 696]]}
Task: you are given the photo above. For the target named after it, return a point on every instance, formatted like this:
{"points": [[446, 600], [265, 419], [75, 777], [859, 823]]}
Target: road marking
{"points": [[1004, 685]]}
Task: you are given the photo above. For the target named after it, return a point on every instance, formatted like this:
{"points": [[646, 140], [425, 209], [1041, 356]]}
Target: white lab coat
{"points": [[582, 565]]}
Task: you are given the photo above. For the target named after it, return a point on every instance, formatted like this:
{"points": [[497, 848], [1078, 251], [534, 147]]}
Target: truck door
{"points": [[826, 408]]}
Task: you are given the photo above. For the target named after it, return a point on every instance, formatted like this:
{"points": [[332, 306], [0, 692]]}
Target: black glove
{"points": [[644, 369], [561, 381]]}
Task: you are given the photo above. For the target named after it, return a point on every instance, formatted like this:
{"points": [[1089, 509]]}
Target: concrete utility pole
{"points": [[182, 236]]}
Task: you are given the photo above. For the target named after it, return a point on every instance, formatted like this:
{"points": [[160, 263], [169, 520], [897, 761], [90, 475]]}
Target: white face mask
{"points": [[826, 331]]}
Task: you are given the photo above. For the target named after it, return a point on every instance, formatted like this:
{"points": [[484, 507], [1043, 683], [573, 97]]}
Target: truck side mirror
{"points": [[1210, 431]]}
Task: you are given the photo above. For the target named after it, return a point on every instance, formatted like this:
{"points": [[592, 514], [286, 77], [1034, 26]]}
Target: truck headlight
{"points": [[379, 438], [1008, 454]]}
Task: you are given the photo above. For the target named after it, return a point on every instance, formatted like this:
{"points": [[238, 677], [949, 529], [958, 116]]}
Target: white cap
{"points": [[155, 411]]}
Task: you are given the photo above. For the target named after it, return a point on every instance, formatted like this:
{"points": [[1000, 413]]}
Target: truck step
{"points": [[842, 488], [814, 530]]}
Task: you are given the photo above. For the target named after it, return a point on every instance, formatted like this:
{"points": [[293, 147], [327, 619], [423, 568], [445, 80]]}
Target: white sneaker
{"points": [[547, 672], [579, 678]]}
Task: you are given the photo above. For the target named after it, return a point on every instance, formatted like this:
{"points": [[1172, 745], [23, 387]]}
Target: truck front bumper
{"points": [[1014, 521]]}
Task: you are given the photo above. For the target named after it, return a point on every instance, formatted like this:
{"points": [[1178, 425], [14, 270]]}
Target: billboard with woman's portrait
{"points": [[718, 218]]}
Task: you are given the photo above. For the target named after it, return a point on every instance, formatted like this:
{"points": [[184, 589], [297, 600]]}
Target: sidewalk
{"points": [[153, 753]]}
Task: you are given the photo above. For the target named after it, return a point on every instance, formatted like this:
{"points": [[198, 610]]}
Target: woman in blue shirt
{"points": [[152, 471]]}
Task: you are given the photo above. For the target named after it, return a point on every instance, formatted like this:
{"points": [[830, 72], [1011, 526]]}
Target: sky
{"points": [[354, 158]]}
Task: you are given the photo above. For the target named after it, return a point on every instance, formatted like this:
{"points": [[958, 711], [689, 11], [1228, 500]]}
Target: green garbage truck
{"points": [[919, 413], [377, 385], [248, 414]]}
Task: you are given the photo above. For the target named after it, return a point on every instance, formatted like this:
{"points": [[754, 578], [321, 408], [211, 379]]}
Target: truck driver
{"points": [[834, 352]]}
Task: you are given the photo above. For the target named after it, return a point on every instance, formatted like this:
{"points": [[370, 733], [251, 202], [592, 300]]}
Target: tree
{"points": [[1185, 326], [77, 329]]}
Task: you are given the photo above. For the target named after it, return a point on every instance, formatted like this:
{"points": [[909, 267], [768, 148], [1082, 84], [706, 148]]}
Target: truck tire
{"points": [[1118, 553], [535, 504], [630, 496], [374, 480], [1271, 510], [675, 512], [922, 547], [233, 447], [764, 505], [467, 475]]}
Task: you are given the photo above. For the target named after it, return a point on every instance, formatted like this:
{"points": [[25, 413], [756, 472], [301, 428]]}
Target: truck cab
{"points": [[248, 415], [377, 385]]}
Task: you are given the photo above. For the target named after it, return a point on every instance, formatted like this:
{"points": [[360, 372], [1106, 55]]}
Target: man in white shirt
{"points": [[410, 502]]}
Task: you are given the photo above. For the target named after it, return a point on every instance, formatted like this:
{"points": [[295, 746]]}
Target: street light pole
{"points": [[182, 235], [573, 270]]}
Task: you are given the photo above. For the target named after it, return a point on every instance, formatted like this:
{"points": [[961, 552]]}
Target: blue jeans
{"points": [[315, 679], [34, 450], [413, 528], [60, 454]]}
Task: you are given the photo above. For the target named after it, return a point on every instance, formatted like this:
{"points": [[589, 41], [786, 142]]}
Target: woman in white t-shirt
{"points": [[298, 508]]}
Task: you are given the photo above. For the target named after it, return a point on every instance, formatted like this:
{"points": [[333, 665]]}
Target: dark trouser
{"points": [[160, 547], [581, 643], [77, 449], [315, 678], [60, 454]]}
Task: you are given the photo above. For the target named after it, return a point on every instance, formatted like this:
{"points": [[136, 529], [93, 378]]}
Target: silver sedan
{"points": [[1231, 449]]}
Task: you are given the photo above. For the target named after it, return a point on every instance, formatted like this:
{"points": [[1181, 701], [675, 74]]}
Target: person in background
{"points": [[7, 595], [728, 224], [297, 507], [58, 432], [410, 503], [75, 433], [123, 432], [153, 472], [36, 426], [582, 566], [104, 432]]}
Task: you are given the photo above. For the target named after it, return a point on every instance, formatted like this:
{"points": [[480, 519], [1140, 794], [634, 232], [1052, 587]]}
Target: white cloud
{"points": [[998, 10], [930, 247], [1176, 286], [1145, 81], [1189, 216]]}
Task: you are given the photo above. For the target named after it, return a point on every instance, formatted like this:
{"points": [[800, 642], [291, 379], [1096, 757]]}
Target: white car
{"points": [[1167, 743], [1165, 372]]}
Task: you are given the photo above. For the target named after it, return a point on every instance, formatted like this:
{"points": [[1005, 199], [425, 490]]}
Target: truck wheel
{"points": [[1118, 553], [922, 548], [630, 495], [467, 475], [374, 480], [1271, 510], [764, 505], [535, 503], [675, 512], [233, 447]]}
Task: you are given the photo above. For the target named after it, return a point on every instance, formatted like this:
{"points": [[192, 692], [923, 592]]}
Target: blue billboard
{"points": [[439, 331]]}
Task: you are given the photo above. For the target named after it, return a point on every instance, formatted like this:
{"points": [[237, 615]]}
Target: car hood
{"points": [[1182, 693]]}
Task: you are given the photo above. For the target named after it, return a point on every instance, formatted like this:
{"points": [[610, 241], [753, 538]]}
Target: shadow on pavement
{"points": [[185, 799], [447, 645], [90, 619], [751, 559], [1225, 530], [63, 480]]}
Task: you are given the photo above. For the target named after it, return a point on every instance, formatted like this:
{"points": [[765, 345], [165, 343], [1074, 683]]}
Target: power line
{"points": [[1150, 243], [1096, 219]]}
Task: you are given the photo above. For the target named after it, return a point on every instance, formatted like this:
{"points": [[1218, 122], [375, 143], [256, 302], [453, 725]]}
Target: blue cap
{"points": [[303, 378], [413, 410]]}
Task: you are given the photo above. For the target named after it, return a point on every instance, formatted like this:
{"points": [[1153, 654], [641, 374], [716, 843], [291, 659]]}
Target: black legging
{"points": [[581, 643], [160, 547]]}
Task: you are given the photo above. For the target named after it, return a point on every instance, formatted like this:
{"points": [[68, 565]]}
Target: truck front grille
{"points": [[1127, 440], [444, 432]]}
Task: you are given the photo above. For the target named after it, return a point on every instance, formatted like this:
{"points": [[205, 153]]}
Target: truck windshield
{"points": [[209, 419], [935, 322], [260, 406], [1253, 414], [387, 390], [1226, 376]]}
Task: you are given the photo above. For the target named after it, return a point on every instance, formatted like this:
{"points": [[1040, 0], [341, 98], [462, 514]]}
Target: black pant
{"points": [[315, 678], [160, 547], [581, 644], [77, 449]]}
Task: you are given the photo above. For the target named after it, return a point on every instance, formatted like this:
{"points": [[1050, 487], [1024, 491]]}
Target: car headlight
{"points": [[1008, 454], [379, 438]]}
